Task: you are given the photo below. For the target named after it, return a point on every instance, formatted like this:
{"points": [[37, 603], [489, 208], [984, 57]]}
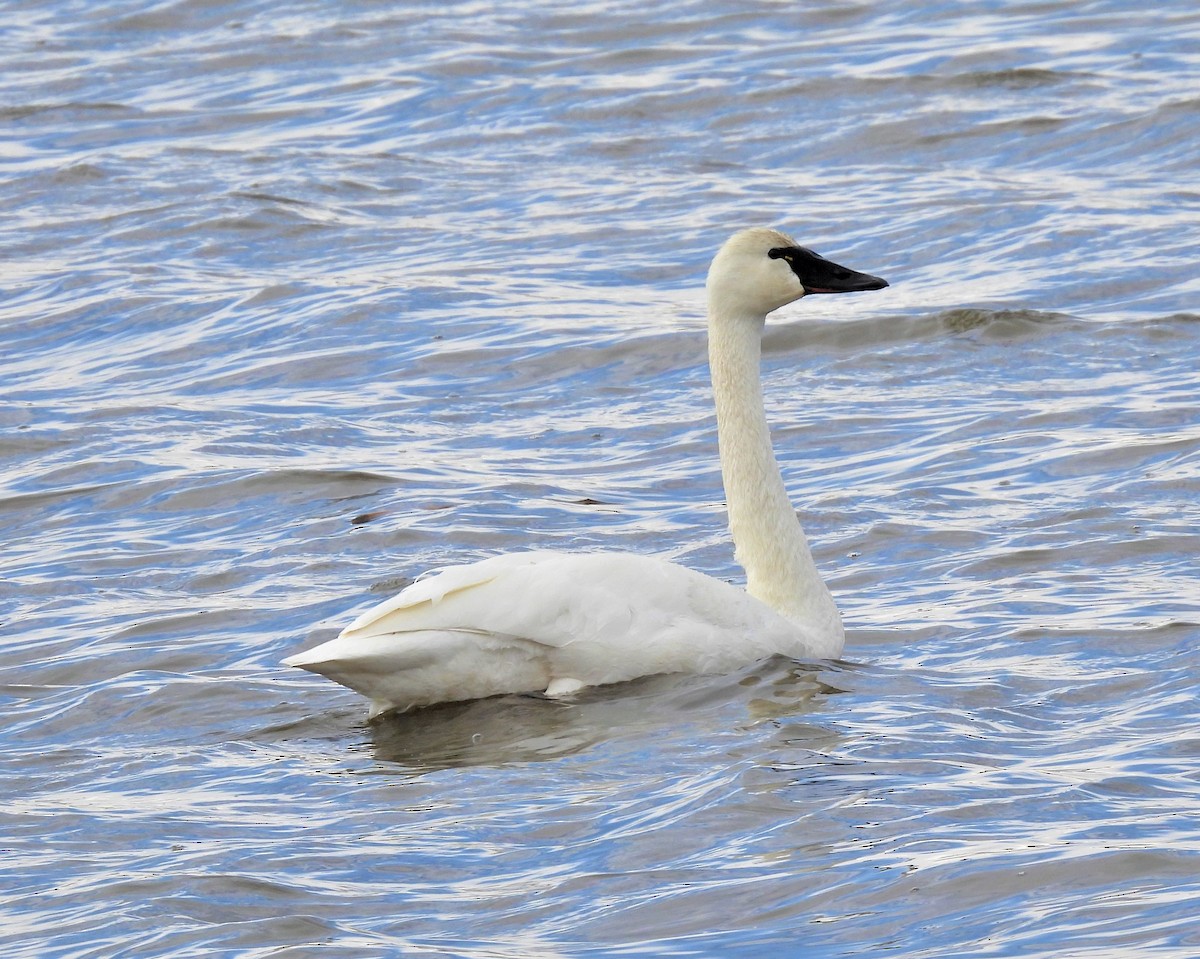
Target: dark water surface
{"points": [[302, 300]]}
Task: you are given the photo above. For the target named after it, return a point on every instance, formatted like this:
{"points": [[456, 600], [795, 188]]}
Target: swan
{"points": [[555, 622]]}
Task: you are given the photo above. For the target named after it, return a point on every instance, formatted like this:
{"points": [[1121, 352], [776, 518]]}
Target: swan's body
{"points": [[556, 622]]}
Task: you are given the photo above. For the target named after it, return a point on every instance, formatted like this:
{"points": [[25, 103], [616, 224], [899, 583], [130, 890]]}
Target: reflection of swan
{"points": [[670, 710], [556, 622]]}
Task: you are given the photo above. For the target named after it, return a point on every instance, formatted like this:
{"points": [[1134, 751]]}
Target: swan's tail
{"points": [[399, 671]]}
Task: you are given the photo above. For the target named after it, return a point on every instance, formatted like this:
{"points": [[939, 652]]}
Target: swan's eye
{"points": [[779, 252]]}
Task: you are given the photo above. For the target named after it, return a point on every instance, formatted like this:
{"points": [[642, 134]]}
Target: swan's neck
{"points": [[768, 540]]}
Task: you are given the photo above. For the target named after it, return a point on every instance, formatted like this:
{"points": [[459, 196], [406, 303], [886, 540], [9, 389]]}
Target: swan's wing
{"points": [[502, 625], [457, 597], [612, 608], [553, 599]]}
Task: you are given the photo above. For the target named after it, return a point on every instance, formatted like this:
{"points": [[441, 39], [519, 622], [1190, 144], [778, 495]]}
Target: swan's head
{"points": [[759, 270]]}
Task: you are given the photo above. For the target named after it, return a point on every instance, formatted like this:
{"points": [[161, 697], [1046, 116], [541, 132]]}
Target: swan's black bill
{"points": [[819, 275]]}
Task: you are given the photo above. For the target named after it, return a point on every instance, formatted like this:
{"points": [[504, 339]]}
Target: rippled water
{"points": [[300, 301]]}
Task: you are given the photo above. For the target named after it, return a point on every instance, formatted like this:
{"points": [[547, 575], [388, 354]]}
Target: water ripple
{"points": [[300, 303]]}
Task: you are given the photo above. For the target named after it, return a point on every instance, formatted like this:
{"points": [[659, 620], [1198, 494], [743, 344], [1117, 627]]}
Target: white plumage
{"points": [[556, 622]]}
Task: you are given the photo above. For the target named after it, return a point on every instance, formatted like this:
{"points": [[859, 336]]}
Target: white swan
{"points": [[556, 622]]}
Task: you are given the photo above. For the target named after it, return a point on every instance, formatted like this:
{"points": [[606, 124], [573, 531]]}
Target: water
{"points": [[301, 301]]}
